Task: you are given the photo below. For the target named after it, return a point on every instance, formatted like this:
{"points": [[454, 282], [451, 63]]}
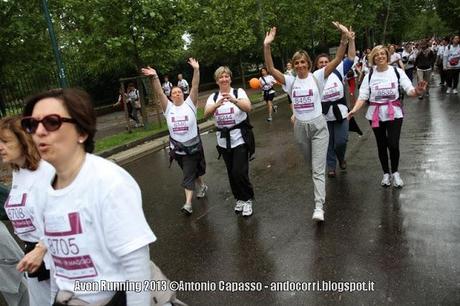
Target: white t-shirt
{"points": [[333, 91], [450, 53], [267, 83], [26, 201], [394, 59], [384, 88], [91, 224], [167, 86], [183, 84], [229, 115], [181, 121], [306, 94], [409, 59]]}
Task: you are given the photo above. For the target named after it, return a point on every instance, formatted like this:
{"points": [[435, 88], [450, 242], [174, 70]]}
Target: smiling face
{"points": [[302, 63], [10, 148], [224, 80], [56, 146]]}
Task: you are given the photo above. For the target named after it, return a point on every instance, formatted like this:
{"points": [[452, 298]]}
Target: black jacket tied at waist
{"points": [[335, 107], [246, 132]]}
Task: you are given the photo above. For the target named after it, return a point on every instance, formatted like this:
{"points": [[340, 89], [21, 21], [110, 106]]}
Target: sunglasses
{"points": [[50, 123]]}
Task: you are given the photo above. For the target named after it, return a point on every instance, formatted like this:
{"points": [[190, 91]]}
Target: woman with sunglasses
{"points": [[25, 203], [310, 126], [94, 226], [184, 137]]}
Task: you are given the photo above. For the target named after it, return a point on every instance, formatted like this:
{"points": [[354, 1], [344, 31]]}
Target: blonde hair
{"points": [[302, 54], [374, 53], [221, 70], [25, 141]]}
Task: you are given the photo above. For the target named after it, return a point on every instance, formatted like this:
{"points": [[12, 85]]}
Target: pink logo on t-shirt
{"points": [[303, 100], [75, 227], [225, 117], [385, 92], [180, 124], [19, 215]]}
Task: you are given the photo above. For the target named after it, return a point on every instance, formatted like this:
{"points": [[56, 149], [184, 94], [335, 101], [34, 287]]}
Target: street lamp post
{"points": [[57, 53]]}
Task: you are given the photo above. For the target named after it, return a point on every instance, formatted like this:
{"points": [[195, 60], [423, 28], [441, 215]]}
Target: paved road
{"points": [[405, 241]]}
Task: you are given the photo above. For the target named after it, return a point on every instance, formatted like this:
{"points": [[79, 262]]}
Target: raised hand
{"points": [[270, 36], [351, 35], [194, 63], [149, 71], [421, 87], [341, 28]]}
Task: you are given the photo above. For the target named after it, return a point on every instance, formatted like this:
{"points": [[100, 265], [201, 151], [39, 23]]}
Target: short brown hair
{"points": [[300, 54], [315, 64], [29, 150], [78, 103]]}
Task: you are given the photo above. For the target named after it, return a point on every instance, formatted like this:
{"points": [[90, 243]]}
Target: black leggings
{"points": [[387, 137], [452, 78]]}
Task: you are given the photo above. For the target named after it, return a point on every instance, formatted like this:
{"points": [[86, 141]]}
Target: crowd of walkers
{"points": [[80, 216]]}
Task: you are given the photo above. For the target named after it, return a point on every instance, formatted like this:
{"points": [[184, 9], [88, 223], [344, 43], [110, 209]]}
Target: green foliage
{"points": [[449, 13]]}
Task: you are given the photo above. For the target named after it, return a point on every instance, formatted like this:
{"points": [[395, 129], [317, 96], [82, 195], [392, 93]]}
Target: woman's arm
{"points": [[155, 81], [210, 109], [278, 75], [242, 103], [346, 36], [137, 269], [418, 90], [358, 104], [195, 80], [32, 260]]}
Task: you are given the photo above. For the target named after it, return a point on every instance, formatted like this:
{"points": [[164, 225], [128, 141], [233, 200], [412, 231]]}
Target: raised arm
{"points": [[351, 46], [150, 72], [278, 75], [346, 36], [195, 80]]}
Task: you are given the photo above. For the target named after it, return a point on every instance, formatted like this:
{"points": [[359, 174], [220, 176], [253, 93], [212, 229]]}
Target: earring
{"points": [[80, 140]]}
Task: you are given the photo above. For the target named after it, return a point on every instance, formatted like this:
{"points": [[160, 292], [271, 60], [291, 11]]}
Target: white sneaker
{"points": [[187, 208], [247, 208], [318, 215], [239, 206], [269, 119], [202, 191], [397, 181], [386, 181], [275, 108], [455, 91], [449, 90]]}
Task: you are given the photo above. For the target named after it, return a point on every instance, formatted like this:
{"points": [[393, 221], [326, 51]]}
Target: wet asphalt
{"points": [[403, 242]]}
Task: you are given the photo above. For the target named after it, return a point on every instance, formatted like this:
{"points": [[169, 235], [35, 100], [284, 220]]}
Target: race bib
{"points": [[331, 93], [179, 125], [20, 216], [67, 244], [385, 92], [225, 117], [302, 100]]}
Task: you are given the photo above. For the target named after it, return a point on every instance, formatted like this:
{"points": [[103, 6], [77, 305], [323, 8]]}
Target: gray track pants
{"points": [[313, 138]]}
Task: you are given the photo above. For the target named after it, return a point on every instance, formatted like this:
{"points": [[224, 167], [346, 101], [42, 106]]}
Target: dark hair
{"points": [[78, 103], [29, 150], [263, 68], [315, 64]]}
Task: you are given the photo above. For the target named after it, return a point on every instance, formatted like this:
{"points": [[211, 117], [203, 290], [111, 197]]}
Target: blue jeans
{"points": [[338, 137]]}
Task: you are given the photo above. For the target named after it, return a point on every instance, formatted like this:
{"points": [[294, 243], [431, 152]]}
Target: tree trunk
{"points": [[243, 78], [384, 34]]}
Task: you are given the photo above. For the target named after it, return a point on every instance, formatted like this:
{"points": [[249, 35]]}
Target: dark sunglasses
{"points": [[51, 123]]}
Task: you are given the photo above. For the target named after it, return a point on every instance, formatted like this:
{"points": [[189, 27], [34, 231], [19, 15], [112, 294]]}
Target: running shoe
{"points": [[318, 215], [397, 181], [202, 191], [269, 119], [331, 173], [275, 108], [449, 90], [239, 206], [386, 181], [455, 91], [247, 208], [187, 209]]}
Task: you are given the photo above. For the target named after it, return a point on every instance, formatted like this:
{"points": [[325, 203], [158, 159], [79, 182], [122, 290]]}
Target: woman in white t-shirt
{"points": [[335, 108], [94, 226], [185, 142], [395, 58], [381, 88], [230, 108], [268, 92], [310, 127], [25, 204]]}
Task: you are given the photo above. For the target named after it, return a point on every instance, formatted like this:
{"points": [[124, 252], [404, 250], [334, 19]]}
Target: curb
{"points": [[154, 143]]}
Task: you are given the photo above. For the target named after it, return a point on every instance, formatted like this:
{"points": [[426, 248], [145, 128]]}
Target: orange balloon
{"points": [[254, 83]]}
